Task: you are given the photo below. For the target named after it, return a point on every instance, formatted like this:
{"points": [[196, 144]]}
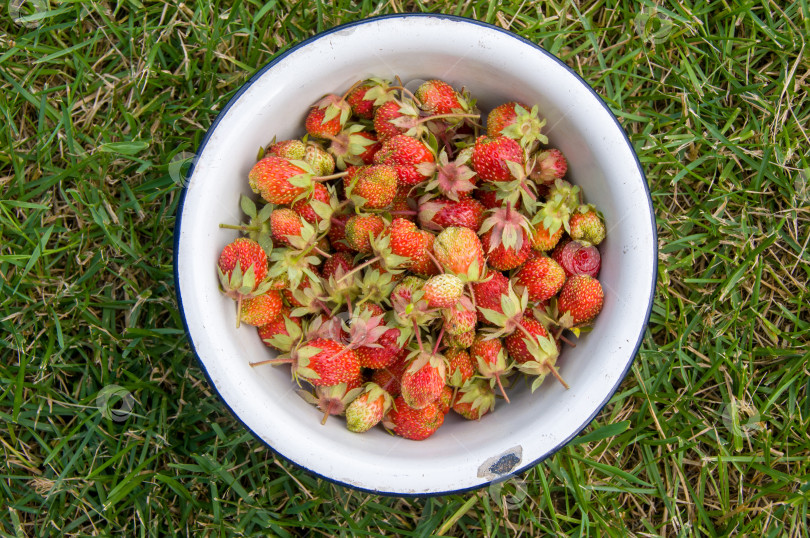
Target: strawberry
{"points": [[580, 301], [304, 207], [459, 251], [460, 317], [284, 222], [443, 291], [460, 367], [405, 153], [380, 357], [441, 213], [454, 179], [501, 117], [489, 198], [490, 357], [375, 184], [321, 362], [262, 309], [362, 107], [515, 343], [368, 409], [489, 292], [423, 380], [400, 207], [548, 166], [445, 399], [543, 240], [353, 146], [410, 423], [475, 400], [396, 118], [423, 264], [490, 157], [586, 226], [577, 258], [438, 97], [388, 378], [337, 233], [405, 238], [332, 400], [270, 177], [461, 340], [328, 116], [315, 156], [246, 255], [504, 258], [337, 265], [542, 278], [360, 228], [281, 332], [370, 149]]}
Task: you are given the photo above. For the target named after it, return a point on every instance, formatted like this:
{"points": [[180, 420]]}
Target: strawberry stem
{"points": [[271, 361], [326, 414], [350, 90], [239, 311], [437, 116], [435, 261], [567, 341], [500, 386], [438, 340], [546, 362], [240, 227], [321, 252], [472, 296], [418, 336], [333, 176], [403, 89], [359, 267]]}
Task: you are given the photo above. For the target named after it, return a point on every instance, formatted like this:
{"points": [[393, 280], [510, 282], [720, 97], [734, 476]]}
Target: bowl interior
{"points": [[496, 67]]}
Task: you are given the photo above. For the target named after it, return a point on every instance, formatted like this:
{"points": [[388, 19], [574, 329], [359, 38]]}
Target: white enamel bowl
{"points": [[496, 66]]}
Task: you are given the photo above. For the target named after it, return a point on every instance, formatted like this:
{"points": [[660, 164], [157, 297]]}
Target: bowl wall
{"points": [[496, 67]]}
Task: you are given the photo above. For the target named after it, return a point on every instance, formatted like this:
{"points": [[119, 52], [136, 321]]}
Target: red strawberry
{"points": [[328, 116], [460, 367], [395, 118], [502, 117], [459, 251], [489, 292], [454, 179], [285, 222], [542, 278], [504, 258], [337, 265], [389, 377], [410, 423], [445, 399], [311, 153], [475, 400], [406, 239], [246, 254], [270, 178], [549, 165], [423, 264], [262, 309], [304, 206], [362, 107], [443, 291], [423, 380], [400, 206], [438, 97], [515, 344], [278, 327], [359, 228], [441, 213], [377, 184], [580, 299], [490, 357], [586, 226], [337, 233], [324, 362], [543, 240], [368, 409], [380, 357], [577, 259], [405, 153], [489, 199], [371, 149], [490, 156]]}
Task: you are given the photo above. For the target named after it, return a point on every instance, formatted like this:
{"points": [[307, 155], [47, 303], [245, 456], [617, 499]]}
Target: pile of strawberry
{"points": [[426, 274]]}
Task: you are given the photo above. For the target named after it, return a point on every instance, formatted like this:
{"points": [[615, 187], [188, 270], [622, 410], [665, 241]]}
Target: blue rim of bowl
{"points": [[455, 18]]}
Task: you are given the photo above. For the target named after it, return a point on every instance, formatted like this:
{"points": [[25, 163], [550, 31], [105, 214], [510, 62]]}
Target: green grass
{"points": [[99, 97]]}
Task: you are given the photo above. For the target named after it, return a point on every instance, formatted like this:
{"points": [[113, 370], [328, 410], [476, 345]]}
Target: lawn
{"points": [[101, 100]]}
